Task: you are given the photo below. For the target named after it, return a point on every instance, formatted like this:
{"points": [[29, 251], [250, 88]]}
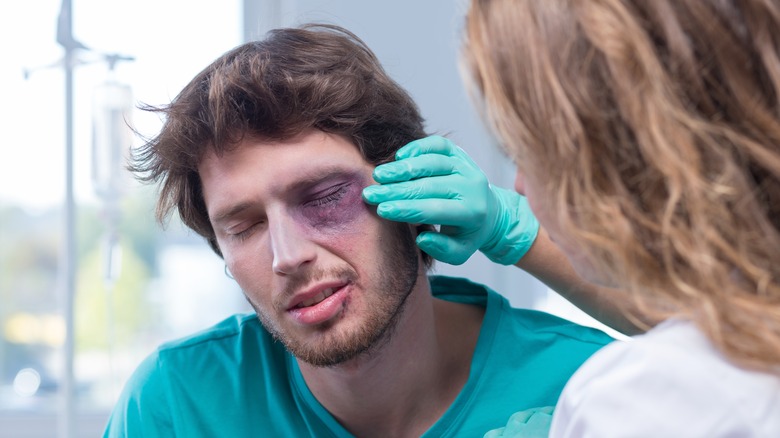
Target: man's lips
{"points": [[315, 294], [319, 304], [317, 299]]}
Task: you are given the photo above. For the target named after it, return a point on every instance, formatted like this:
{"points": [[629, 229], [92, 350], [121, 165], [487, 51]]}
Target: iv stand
{"points": [[68, 262], [66, 40]]}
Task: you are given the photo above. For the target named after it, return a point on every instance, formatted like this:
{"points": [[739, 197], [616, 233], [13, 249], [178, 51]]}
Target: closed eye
{"points": [[331, 195], [242, 235]]}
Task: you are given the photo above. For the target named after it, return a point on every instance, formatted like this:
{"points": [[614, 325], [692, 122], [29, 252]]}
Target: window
{"points": [[134, 283]]}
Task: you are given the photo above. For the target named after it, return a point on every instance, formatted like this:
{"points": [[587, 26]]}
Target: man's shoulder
{"points": [[225, 331], [210, 375], [234, 343], [514, 320], [225, 344], [546, 324], [460, 290]]}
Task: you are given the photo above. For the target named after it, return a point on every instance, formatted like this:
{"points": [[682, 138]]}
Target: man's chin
{"points": [[332, 356]]}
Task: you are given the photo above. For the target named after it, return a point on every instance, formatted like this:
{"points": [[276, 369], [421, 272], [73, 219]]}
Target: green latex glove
{"points": [[531, 423], [435, 182]]}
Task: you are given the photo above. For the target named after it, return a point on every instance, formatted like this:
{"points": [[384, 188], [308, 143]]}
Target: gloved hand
{"points": [[531, 423], [435, 182]]}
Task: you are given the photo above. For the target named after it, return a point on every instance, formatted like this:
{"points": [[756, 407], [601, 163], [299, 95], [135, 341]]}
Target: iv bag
{"points": [[111, 138]]}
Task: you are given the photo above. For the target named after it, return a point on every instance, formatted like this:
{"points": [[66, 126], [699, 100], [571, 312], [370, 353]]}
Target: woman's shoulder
{"points": [[669, 379], [655, 351]]}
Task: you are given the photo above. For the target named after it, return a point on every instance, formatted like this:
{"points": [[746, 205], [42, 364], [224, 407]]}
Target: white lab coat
{"points": [[669, 382]]}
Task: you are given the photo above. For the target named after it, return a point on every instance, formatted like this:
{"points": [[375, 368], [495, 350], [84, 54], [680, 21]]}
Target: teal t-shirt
{"points": [[234, 380]]}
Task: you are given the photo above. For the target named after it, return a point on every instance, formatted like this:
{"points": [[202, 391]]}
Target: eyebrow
{"points": [[320, 175], [230, 212], [313, 178]]}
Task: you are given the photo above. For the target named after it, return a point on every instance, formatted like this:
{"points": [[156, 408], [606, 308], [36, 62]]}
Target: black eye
{"points": [[329, 196]]}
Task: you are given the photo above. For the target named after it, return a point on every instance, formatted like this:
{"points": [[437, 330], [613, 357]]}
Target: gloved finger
{"points": [[444, 248], [371, 194], [533, 422], [435, 187], [546, 410], [539, 421], [428, 211], [416, 167], [495, 433], [521, 417], [433, 144]]}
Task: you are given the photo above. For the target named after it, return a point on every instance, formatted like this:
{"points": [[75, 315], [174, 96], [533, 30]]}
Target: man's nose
{"points": [[291, 248]]}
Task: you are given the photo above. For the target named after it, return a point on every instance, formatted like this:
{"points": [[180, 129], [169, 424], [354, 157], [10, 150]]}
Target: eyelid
{"points": [[336, 191], [245, 232], [330, 190], [241, 224]]}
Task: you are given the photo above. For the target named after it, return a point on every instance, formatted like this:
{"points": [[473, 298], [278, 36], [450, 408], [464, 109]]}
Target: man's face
{"points": [[326, 276]]}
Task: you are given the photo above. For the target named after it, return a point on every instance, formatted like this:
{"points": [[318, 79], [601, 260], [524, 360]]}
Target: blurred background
{"points": [[89, 282]]}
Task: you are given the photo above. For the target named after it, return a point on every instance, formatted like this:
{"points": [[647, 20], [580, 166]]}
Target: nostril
{"points": [[279, 268], [289, 265], [290, 250]]}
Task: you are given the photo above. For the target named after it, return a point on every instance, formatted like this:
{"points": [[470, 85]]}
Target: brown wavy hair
{"points": [[656, 126], [315, 76]]}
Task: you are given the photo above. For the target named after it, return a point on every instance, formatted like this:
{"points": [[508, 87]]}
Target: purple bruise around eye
{"points": [[338, 214]]}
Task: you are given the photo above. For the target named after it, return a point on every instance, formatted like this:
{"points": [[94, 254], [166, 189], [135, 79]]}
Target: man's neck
{"points": [[403, 387]]}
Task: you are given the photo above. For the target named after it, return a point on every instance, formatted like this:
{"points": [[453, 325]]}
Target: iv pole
{"points": [[66, 40], [68, 260]]}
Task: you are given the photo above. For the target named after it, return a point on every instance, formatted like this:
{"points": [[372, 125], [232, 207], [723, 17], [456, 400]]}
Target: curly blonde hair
{"points": [[656, 126]]}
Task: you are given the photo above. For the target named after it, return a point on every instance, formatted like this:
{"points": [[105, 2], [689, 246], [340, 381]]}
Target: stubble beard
{"points": [[394, 282]]}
